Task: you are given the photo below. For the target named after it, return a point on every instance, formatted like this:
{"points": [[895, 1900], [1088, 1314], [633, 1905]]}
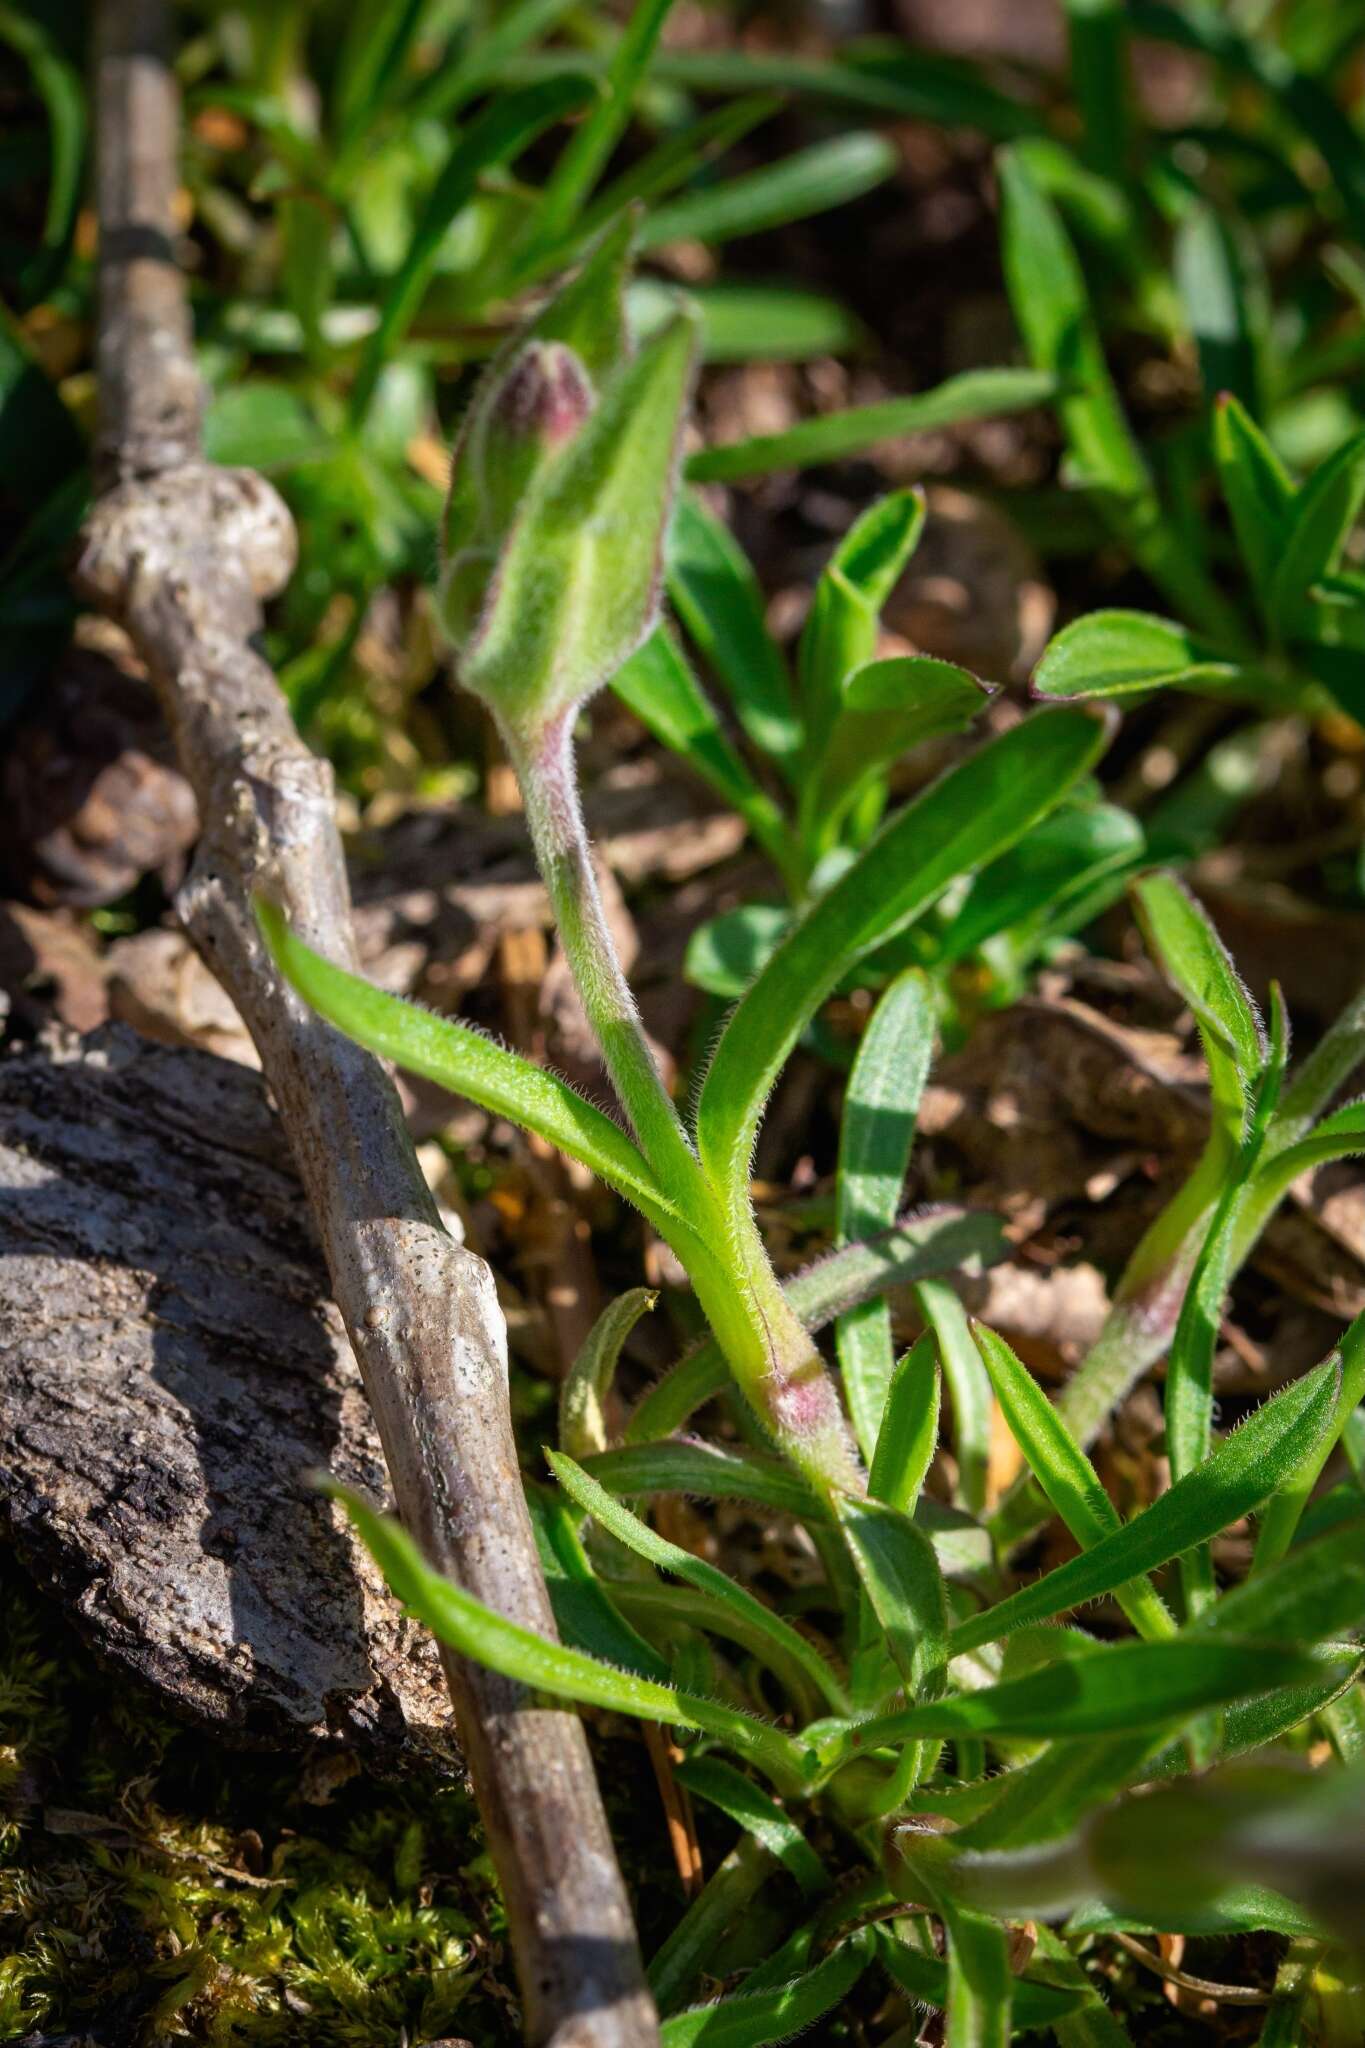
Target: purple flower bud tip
{"points": [[546, 396]]}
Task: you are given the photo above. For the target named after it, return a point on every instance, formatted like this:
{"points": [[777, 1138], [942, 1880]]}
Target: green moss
{"points": [[174, 1890]]}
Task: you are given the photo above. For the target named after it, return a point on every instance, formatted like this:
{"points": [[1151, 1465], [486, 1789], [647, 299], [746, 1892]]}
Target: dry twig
{"points": [[182, 555]]}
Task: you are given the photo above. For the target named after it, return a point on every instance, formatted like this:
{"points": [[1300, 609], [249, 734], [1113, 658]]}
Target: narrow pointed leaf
{"points": [[766, 2016], [969, 1389], [583, 1396], [455, 1617], [902, 1581], [1259, 491], [1194, 958], [807, 181], [1240, 1473], [1325, 511], [463, 1060], [969, 816], [716, 596], [1110, 1691], [590, 1495], [875, 1135], [974, 394], [908, 1437], [1063, 1470], [759, 1814]]}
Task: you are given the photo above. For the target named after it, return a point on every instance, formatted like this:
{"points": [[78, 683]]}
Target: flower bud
{"points": [[561, 490]]}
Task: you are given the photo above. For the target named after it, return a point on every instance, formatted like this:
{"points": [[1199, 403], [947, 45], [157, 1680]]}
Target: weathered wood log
{"points": [[171, 1371]]}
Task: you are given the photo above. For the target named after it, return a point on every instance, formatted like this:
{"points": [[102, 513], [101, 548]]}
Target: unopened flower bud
{"points": [[561, 490]]}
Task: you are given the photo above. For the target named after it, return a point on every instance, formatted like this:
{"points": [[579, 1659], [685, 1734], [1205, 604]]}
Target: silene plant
{"points": [[946, 1779]]}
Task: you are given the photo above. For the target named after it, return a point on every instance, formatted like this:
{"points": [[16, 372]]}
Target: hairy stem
{"points": [[766, 1346]]}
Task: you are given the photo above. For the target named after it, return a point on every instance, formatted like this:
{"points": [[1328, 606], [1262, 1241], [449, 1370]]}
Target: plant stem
{"points": [[544, 765], [767, 1347]]}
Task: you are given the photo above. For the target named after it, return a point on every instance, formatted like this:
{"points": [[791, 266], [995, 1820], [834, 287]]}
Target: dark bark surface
{"points": [[171, 1370]]}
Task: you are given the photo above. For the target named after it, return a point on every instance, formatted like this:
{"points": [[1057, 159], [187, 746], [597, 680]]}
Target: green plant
{"points": [[929, 1746]]}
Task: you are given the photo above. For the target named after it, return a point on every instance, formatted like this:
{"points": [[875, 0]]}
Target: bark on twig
{"points": [[182, 554]]}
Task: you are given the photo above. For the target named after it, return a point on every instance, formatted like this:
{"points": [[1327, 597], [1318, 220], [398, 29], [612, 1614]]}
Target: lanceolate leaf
{"points": [[1243, 1471], [1062, 1469], [458, 1058], [1325, 511], [716, 596], [764, 2016], [1192, 955], [455, 1617], [628, 1529], [1131, 1686], [760, 1815], [908, 1436], [965, 819], [975, 394], [1259, 491], [582, 1398], [901, 1578], [875, 1135], [1118, 654]]}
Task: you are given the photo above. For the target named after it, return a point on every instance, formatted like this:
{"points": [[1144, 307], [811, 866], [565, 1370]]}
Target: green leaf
{"points": [[968, 817], [1064, 1472], [507, 126], [1052, 307], [592, 143], [1259, 490], [463, 1622], [1118, 654], [708, 1470], [1098, 38], [1325, 512], [1048, 882], [262, 424], [875, 1136], [1194, 959], [1210, 278], [716, 596], [969, 1389], [1283, 1511], [1110, 1690], [840, 633], [588, 1494], [806, 181], [771, 323], [885, 709], [724, 954], [1241, 1472], [1339, 1136], [764, 2016], [461, 1059], [659, 687], [758, 1813], [585, 1614], [903, 1583], [936, 1241], [980, 1983], [833, 437], [500, 37], [583, 1396], [908, 1437]]}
